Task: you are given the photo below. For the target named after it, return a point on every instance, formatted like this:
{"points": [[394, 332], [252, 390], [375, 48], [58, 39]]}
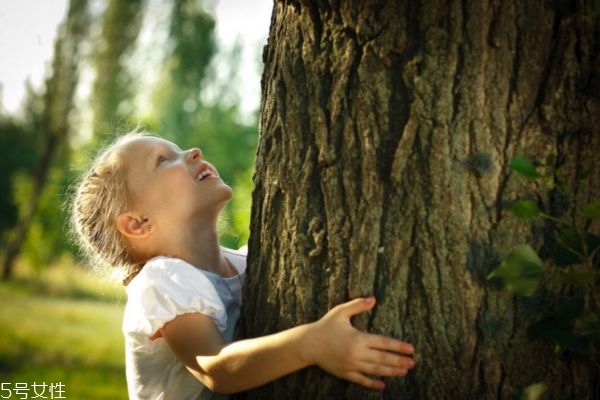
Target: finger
{"points": [[364, 380], [372, 369], [388, 344], [355, 307], [388, 360]]}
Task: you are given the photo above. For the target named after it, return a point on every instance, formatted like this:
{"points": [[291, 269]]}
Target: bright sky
{"points": [[28, 29]]}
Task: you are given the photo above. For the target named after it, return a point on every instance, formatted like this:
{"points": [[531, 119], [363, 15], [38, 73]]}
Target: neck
{"points": [[201, 248]]}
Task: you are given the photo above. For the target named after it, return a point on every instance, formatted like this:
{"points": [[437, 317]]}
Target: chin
{"points": [[225, 194], [228, 191]]}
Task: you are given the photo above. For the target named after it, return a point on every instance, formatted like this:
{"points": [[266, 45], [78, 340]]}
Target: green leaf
{"points": [[563, 257], [591, 210], [568, 247], [525, 209], [521, 271], [588, 325], [571, 247], [534, 392], [524, 167]]}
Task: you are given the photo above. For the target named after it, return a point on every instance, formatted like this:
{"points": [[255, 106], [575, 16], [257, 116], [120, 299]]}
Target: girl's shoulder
{"points": [[166, 269], [166, 287], [169, 275]]}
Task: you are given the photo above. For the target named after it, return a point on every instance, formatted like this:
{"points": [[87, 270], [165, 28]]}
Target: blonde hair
{"points": [[100, 195]]}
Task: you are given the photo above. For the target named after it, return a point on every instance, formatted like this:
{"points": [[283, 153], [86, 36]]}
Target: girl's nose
{"points": [[194, 155]]}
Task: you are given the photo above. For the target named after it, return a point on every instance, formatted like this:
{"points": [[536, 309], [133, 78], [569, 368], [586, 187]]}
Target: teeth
{"points": [[203, 175]]}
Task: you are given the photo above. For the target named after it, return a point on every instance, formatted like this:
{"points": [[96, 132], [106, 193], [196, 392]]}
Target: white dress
{"points": [[165, 288]]}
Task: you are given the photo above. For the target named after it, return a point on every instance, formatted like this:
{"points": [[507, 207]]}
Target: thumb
{"points": [[355, 307]]}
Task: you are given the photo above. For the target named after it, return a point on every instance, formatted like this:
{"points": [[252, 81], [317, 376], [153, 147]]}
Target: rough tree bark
{"points": [[387, 128]]}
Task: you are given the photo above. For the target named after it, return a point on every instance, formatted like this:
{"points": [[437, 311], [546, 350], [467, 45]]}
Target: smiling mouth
{"points": [[206, 173]]}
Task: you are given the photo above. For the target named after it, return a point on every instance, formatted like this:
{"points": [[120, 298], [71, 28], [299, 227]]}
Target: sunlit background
{"points": [[186, 69], [28, 29]]}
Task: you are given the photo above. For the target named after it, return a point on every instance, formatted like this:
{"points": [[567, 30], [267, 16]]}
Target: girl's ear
{"points": [[133, 225]]}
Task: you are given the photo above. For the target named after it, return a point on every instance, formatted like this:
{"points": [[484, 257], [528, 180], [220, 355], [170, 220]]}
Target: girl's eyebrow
{"points": [[171, 146], [166, 147], [159, 150]]}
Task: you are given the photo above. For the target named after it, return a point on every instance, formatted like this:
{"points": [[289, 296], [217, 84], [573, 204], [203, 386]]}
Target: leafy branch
{"points": [[574, 260]]}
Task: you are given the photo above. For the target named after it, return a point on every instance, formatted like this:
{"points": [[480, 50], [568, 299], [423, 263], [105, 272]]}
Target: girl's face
{"points": [[168, 185]]}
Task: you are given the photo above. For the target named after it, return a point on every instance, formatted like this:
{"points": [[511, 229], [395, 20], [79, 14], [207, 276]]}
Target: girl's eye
{"points": [[161, 159]]}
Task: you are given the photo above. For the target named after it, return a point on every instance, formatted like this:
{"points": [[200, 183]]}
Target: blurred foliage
{"points": [[20, 146], [182, 116], [112, 89], [572, 265], [49, 115], [46, 237], [241, 206], [191, 48], [180, 110]]}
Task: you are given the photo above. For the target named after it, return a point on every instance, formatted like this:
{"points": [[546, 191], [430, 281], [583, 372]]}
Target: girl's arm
{"points": [[331, 343]]}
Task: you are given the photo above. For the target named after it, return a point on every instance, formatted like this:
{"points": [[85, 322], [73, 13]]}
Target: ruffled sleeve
{"points": [[165, 288]]}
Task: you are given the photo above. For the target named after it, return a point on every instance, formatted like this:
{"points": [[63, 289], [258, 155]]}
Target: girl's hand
{"points": [[342, 350]]}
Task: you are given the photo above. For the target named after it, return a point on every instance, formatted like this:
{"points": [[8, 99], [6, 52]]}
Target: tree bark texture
{"points": [[387, 128]]}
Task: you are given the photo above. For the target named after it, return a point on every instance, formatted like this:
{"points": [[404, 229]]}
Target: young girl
{"points": [[149, 207]]}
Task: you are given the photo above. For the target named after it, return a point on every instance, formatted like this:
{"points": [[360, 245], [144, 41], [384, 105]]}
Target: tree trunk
{"points": [[54, 124], [387, 128]]}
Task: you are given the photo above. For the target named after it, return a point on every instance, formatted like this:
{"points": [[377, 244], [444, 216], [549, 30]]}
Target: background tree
{"points": [[184, 114], [112, 90], [387, 129], [180, 110], [54, 123], [24, 144], [192, 48]]}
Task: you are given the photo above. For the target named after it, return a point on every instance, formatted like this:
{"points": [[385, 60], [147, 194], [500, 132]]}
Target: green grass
{"points": [[63, 325]]}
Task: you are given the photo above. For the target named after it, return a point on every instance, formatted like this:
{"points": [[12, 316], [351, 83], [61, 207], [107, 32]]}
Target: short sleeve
{"points": [[165, 288]]}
